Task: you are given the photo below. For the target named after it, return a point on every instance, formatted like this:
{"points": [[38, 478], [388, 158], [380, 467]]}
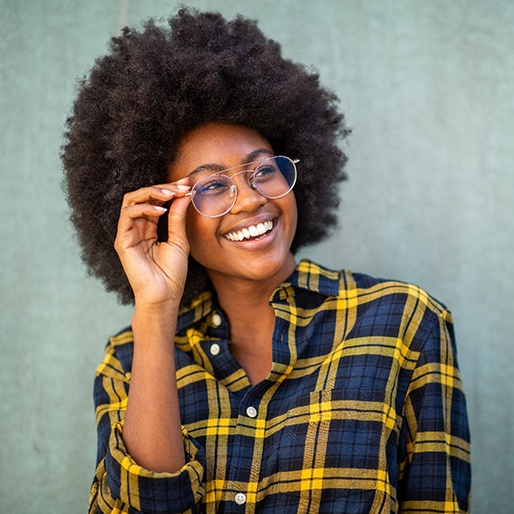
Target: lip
{"points": [[254, 221], [248, 222]]}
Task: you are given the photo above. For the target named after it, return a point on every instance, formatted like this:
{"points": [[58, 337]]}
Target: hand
{"points": [[156, 270]]}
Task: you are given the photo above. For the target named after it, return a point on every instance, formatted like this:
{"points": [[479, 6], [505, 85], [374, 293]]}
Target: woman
{"points": [[200, 160]]}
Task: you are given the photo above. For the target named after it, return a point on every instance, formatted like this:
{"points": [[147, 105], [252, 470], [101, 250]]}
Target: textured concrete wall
{"points": [[428, 88]]}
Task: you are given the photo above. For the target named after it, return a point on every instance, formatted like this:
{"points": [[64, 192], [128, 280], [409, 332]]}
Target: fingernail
{"points": [[182, 187], [184, 180], [167, 192]]}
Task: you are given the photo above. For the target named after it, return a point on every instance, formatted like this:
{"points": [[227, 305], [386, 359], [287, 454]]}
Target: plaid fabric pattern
{"points": [[363, 411]]}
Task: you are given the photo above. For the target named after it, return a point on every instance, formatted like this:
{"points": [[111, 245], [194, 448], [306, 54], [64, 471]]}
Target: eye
{"points": [[211, 186], [265, 172]]}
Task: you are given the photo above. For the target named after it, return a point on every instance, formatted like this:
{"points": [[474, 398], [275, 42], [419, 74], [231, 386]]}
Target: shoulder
{"points": [[395, 309], [364, 289], [369, 288], [119, 353], [374, 305]]}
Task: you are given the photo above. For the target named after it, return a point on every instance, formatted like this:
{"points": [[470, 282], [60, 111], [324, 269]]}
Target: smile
{"points": [[251, 232]]}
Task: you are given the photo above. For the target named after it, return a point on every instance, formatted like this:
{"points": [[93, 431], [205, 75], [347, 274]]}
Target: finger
{"points": [[157, 194], [177, 219], [152, 194], [179, 188], [183, 184], [145, 211]]}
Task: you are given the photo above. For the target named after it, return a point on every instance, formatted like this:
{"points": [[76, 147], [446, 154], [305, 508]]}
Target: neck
{"points": [[245, 301], [252, 321], [251, 318]]}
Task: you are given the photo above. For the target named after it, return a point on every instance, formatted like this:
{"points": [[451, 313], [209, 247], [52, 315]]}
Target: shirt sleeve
{"points": [[434, 452], [122, 486]]}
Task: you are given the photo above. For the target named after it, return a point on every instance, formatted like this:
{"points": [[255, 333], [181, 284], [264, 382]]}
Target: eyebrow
{"points": [[252, 158]]}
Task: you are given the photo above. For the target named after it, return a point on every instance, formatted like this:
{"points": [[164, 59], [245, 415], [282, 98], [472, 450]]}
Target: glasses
{"points": [[216, 194]]}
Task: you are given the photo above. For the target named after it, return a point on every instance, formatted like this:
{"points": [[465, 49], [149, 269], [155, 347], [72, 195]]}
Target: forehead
{"points": [[218, 147]]}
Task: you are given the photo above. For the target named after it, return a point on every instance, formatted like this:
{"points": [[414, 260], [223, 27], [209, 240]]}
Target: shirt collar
{"points": [[199, 308], [312, 277], [307, 276]]}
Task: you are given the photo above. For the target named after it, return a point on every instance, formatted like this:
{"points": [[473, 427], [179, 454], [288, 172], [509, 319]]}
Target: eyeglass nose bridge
{"points": [[234, 189]]}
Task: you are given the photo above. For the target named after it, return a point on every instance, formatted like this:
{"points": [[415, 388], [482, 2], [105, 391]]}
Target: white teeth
{"points": [[251, 231]]}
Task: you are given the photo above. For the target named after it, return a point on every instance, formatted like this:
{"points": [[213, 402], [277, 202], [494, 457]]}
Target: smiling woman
{"points": [[247, 382], [214, 241]]}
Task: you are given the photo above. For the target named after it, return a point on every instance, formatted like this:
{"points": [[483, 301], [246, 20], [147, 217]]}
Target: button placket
{"points": [[239, 470]]}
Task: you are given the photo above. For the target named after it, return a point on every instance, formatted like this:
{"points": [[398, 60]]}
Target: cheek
{"points": [[295, 208], [192, 228], [200, 231], [291, 208]]}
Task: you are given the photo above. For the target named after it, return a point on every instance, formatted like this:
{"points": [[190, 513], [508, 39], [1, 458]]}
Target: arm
{"points": [[146, 452], [119, 482], [434, 456], [157, 273]]}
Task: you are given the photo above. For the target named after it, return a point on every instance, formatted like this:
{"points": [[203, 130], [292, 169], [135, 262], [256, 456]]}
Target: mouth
{"points": [[251, 233]]}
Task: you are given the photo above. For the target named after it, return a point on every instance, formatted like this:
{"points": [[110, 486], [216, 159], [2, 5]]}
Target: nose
{"points": [[248, 198]]}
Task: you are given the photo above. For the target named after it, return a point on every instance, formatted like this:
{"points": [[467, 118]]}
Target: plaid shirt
{"points": [[363, 410]]}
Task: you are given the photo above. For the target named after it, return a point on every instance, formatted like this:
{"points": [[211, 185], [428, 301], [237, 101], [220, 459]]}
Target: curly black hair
{"points": [[159, 83]]}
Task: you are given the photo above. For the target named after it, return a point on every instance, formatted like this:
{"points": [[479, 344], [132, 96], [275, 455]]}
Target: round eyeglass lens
{"points": [[216, 194], [274, 177]]}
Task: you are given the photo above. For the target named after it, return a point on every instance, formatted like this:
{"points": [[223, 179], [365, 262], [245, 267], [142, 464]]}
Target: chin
{"points": [[276, 269]]}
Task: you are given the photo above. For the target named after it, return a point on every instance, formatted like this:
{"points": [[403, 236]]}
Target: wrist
{"points": [[156, 309], [160, 320]]}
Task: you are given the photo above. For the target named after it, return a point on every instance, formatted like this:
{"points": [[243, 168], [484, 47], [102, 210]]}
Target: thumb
{"points": [[177, 220]]}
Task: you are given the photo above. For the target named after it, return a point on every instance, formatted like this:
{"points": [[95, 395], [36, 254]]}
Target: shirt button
{"points": [[216, 320], [240, 498], [251, 412], [215, 349]]}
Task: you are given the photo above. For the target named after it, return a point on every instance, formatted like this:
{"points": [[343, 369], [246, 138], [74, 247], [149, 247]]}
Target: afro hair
{"points": [[157, 84]]}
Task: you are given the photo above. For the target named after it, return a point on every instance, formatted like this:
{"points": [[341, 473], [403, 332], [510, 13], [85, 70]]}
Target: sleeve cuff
{"points": [[150, 491]]}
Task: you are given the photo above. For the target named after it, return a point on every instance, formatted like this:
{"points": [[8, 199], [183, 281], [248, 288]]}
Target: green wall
{"points": [[428, 87]]}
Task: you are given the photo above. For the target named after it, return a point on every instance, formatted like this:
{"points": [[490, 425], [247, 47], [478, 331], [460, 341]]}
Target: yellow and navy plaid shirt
{"points": [[363, 410]]}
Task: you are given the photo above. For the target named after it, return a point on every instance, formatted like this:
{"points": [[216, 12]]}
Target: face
{"points": [[215, 242]]}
